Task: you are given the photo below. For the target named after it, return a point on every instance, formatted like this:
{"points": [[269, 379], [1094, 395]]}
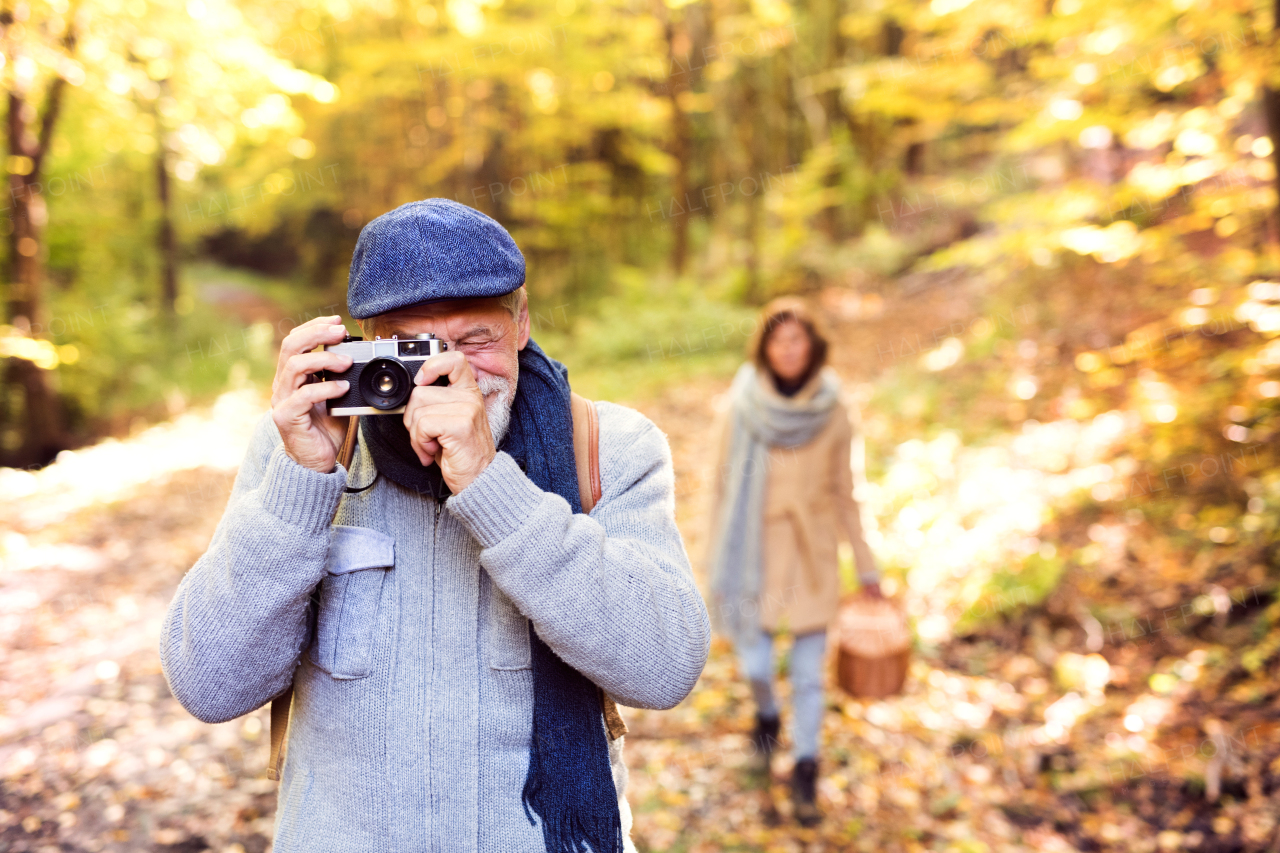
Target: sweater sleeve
{"points": [[849, 510], [611, 593], [239, 620]]}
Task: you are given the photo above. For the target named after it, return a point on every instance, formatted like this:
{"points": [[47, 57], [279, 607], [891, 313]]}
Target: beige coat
{"points": [[808, 507]]}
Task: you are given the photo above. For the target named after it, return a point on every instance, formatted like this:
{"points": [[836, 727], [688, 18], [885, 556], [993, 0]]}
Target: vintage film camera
{"points": [[381, 373]]}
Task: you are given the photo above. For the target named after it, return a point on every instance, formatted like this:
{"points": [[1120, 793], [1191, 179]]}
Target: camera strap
{"points": [[347, 451]]}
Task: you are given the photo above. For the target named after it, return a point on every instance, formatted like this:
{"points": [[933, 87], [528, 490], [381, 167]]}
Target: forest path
{"points": [[96, 755]]}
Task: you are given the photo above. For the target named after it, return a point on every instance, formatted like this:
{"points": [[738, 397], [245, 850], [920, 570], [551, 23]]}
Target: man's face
{"points": [[482, 330]]}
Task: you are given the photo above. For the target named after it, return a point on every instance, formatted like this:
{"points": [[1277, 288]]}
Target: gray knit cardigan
{"points": [[414, 692]]}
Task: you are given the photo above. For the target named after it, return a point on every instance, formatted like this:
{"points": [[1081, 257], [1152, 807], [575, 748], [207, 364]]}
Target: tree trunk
{"points": [[36, 412], [753, 250], [829, 58], [33, 418], [1271, 105], [678, 82], [165, 242], [26, 304], [754, 131]]}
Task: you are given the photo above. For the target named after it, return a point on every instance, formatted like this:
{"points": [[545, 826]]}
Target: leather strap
{"points": [[613, 722], [280, 708], [586, 455], [586, 450], [283, 704], [348, 449]]}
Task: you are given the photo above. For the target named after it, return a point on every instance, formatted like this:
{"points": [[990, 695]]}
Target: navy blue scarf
{"points": [[570, 783]]}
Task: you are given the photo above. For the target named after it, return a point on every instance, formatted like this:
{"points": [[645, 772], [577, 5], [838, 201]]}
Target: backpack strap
{"points": [[283, 704], [280, 708], [586, 450], [586, 455]]}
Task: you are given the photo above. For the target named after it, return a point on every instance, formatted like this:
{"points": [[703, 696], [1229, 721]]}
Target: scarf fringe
{"points": [[566, 830]]}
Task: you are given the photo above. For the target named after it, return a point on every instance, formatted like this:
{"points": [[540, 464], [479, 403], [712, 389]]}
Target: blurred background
{"points": [[1046, 238]]}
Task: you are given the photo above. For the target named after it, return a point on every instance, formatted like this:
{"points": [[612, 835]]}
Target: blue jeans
{"points": [[807, 656]]}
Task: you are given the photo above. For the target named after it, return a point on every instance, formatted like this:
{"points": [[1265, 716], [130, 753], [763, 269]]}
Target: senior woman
{"points": [[784, 495]]}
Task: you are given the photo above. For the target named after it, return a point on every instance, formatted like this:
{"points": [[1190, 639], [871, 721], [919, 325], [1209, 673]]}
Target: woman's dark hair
{"points": [[782, 310]]}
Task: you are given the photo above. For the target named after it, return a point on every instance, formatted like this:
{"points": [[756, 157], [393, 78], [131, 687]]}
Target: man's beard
{"points": [[499, 393]]}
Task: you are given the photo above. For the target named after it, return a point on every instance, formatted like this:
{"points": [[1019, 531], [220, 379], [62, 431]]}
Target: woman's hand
{"points": [[872, 589]]}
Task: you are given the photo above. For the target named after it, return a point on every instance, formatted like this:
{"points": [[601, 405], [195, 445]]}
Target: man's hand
{"points": [[448, 424], [311, 435]]}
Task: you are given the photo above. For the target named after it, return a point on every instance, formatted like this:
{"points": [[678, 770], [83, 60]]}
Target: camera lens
{"points": [[385, 383]]}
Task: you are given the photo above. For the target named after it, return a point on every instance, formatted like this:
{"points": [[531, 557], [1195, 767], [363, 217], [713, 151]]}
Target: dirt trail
{"points": [[95, 755]]}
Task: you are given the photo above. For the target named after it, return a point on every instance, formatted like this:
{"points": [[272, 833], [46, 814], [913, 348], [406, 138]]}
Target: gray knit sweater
{"points": [[413, 689]]}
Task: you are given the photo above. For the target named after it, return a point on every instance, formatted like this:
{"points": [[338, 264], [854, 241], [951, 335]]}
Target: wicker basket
{"points": [[873, 647]]}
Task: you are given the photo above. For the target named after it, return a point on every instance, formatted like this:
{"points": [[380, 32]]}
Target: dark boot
{"points": [[804, 792], [765, 739]]}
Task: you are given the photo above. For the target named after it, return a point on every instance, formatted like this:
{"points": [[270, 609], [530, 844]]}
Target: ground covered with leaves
{"points": [[1084, 680]]}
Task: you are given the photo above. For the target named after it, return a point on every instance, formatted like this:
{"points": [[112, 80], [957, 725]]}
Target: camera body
{"points": [[381, 373]]}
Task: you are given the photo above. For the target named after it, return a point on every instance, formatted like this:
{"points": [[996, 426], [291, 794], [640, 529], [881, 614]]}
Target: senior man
{"points": [[446, 648]]}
